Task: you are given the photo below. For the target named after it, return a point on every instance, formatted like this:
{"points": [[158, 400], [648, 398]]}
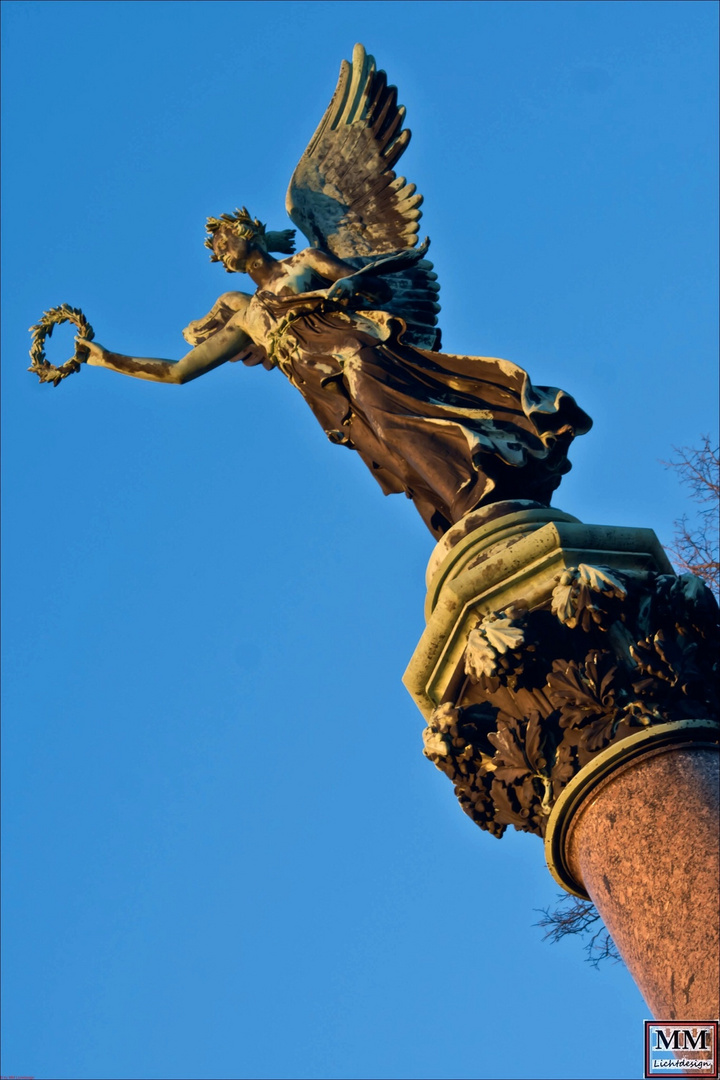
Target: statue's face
{"points": [[231, 249]]}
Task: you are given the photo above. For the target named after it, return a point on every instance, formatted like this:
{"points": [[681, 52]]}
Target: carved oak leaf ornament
{"points": [[564, 768], [502, 633], [672, 661], [582, 690], [550, 688], [600, 732], [439, 736], [508, 809], [453, 742], [685, 603], [495, 636], [510, 761], [435, 745], [694, 591], [535, 744], [521, 775], [575, 597]]}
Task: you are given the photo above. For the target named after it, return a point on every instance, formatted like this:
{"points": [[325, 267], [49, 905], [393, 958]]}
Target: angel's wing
{"points": [[344, 194], [345, 197]]}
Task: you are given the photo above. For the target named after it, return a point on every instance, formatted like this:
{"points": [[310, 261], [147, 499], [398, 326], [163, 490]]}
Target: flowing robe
{"points": [[451, 432]]}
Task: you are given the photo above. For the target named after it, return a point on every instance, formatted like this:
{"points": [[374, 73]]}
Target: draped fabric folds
{"points": [[451, 432]]}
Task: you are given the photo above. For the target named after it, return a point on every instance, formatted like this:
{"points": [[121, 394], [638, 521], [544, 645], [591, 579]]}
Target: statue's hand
{"points": [[88, 352], [342, 289], [284, 242]]}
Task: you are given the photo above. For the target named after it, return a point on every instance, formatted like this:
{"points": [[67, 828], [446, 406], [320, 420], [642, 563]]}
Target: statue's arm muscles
{"points": [[327, 265], [337, 270], [220, 313], [223, 345]]}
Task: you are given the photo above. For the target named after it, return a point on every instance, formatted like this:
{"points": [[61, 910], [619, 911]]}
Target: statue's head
{"points": [[232, 238]]}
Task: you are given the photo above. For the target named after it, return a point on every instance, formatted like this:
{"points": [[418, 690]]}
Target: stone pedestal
{"points": [[567, 678]]}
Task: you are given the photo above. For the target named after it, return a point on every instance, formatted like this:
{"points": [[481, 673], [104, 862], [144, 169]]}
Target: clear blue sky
{"points": [[224, 854]]}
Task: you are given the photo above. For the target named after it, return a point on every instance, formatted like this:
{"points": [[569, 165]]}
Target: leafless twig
{"points": [[695, 546], [571, 915]]}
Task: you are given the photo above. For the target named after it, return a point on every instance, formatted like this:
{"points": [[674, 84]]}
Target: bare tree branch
{"points": [[695, 548], [571, 915]]}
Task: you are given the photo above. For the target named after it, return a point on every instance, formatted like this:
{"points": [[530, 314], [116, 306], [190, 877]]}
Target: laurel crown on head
{"points": [[240, 223]]}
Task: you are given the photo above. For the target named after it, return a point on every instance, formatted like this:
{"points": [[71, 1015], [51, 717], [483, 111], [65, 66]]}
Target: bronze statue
{"points": [[351, 321]]}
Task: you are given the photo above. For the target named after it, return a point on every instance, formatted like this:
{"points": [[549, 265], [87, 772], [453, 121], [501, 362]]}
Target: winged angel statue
{"points": [[351, 322]]}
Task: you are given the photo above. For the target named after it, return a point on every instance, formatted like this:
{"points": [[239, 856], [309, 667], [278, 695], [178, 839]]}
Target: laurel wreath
{"points": [[42, 367]]}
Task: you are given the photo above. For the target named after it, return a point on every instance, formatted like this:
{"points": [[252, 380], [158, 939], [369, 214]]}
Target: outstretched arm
{"points": [[223, 345]]}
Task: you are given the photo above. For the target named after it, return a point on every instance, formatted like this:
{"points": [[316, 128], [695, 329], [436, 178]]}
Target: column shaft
{"points": [[644, 845]]}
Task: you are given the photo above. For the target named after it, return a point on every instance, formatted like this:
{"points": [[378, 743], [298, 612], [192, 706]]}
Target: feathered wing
{"points": [[345, 197]]}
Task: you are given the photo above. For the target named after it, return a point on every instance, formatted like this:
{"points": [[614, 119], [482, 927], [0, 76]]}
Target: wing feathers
{"points": [[363, 68], [344, 194]]}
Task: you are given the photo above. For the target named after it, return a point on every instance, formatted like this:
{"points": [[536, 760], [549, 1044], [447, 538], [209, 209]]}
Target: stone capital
{"points": [[550, 644]]}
